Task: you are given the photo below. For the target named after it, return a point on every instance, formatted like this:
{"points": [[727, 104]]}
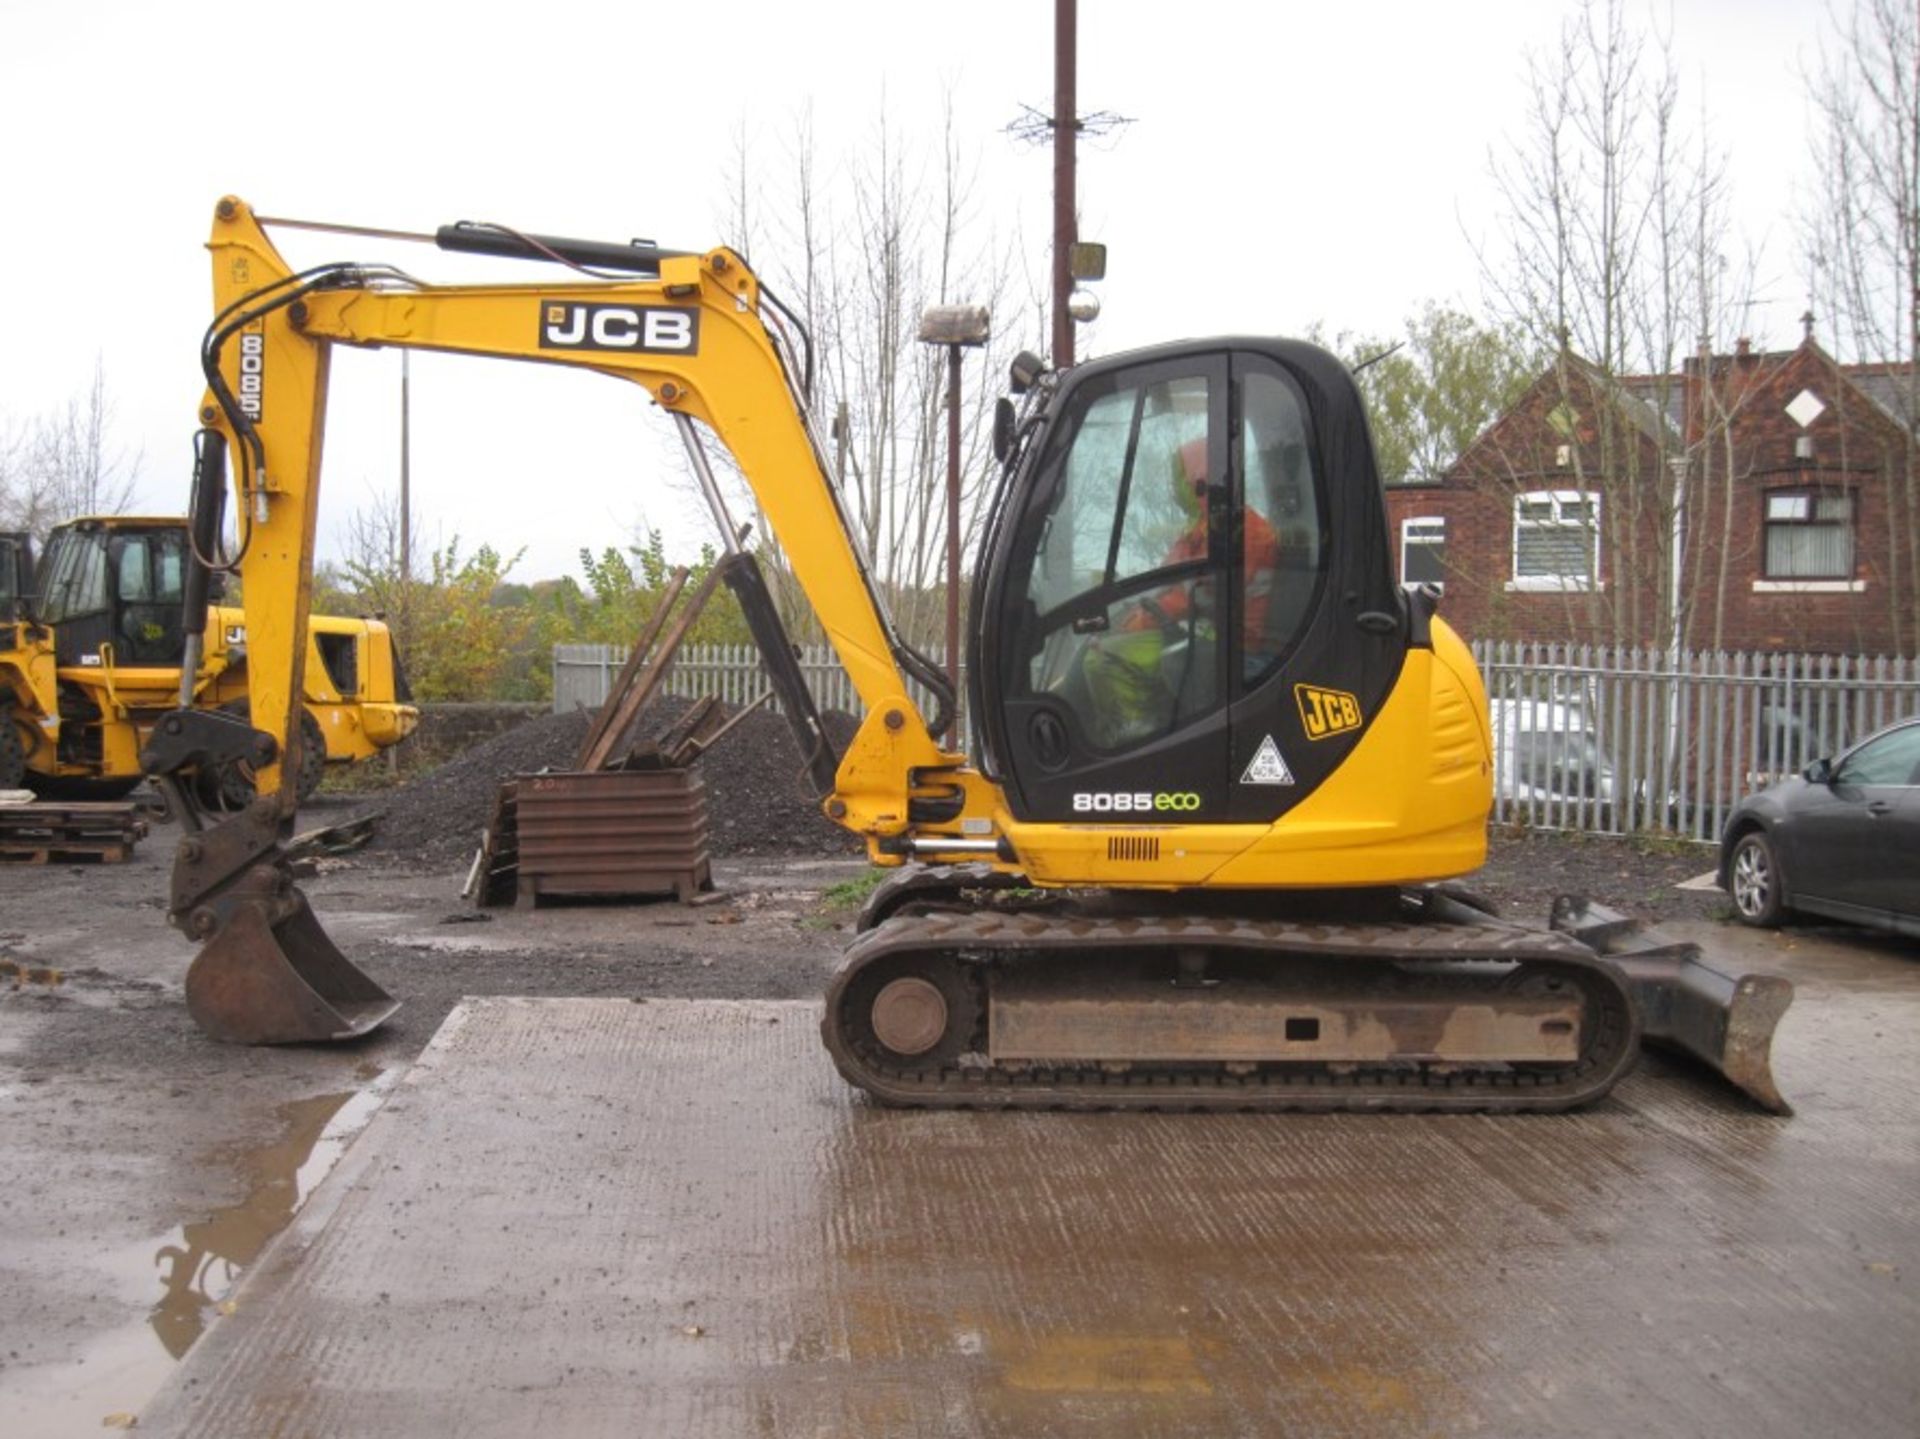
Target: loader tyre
{"points": [[1755, 882], [13, 754], [232, 788], [79, 789]]}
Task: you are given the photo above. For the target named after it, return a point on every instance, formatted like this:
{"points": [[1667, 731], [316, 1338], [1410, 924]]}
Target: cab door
{"points": [[1111, 668]]}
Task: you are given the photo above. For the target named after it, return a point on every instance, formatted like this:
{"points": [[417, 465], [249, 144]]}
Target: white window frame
{"points": [[1407, 541], [1556, 584]]}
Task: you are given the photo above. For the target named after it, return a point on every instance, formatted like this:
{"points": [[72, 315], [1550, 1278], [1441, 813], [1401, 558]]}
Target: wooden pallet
{"points": [[69, 833], [11, 853], [496, 869]]}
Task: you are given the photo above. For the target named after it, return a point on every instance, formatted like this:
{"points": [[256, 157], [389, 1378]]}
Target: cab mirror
{"points": [[1003, 426], [1819, 772]]}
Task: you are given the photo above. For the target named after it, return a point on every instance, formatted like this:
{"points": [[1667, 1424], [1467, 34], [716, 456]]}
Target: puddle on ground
{"points": [[195, 1268]]}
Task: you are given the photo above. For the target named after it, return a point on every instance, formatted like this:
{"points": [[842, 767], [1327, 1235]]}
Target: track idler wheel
{"points": [[918, 1014]]}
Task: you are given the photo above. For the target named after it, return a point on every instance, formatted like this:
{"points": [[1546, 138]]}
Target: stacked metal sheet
{"points": [[612, 833]]}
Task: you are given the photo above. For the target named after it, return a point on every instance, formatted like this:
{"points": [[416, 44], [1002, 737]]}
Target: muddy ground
{"points": [[146, 1167]]}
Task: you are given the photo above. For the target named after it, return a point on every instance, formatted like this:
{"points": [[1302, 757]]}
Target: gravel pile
{"points": [[757, 801]]}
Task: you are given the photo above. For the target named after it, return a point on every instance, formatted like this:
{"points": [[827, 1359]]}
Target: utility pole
{"points": [[406, 501], [1066, 127], [404, 629]]}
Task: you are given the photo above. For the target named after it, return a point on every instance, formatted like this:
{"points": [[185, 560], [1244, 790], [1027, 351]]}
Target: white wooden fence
{"points": [[1585, 738]]}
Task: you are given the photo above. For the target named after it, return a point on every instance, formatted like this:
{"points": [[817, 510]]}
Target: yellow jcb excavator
{"points": [[1229, 755]]}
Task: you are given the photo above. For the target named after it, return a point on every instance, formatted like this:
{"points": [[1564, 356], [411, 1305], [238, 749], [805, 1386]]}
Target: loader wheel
{"points": [[78, 789], [1755, 882], [232, 788], [13, 754]]}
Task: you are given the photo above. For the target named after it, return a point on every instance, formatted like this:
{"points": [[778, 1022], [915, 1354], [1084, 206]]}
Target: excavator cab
{"points": [[1191, 594]]}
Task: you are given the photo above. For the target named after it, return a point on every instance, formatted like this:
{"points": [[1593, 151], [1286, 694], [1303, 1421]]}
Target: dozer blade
{"points": [[266, 980], [1724, 1021]]}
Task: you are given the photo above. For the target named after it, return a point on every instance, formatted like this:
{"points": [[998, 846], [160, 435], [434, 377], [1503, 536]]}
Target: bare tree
{"points": [[1861, 234], [61, 465], [1614, 262], [861, 252]]}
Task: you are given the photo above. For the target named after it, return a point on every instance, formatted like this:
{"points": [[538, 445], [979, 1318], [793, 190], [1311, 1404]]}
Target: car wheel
{"points": [[1755, 882]]}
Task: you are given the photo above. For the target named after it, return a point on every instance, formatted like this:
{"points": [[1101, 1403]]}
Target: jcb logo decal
{"points": [[652, 329], [1326, 712]]}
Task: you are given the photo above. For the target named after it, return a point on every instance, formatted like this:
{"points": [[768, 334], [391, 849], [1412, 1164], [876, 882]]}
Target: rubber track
{"points": [[978, 940]]}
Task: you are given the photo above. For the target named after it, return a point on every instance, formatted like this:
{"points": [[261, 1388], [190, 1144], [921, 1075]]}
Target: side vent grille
{"points": [[1133, 846]]}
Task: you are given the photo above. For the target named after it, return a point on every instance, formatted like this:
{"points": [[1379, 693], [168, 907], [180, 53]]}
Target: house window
{"points": [[1556, 540], [1809, 536], [1423, 552]]}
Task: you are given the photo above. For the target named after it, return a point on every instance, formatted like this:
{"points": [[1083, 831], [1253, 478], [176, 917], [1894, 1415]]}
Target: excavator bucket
{"points": [[266, 972], [261, 980], [1725, 1021]]}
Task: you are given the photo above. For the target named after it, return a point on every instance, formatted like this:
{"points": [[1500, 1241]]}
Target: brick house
{"points": [[1773, 492]]}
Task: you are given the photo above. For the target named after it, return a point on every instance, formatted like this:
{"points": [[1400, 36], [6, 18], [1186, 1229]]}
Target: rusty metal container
{"points": [[612, 833]]}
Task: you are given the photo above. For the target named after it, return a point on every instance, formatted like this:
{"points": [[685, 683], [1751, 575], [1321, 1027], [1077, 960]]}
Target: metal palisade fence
{"points": [[1609, 741], [584, 674], [1625, 741]]}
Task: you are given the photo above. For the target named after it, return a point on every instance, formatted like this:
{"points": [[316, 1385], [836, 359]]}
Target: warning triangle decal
{"points": [[1267, 766]]}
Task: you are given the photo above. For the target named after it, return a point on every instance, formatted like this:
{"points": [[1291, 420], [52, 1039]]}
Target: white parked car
{"points": [[1545, 751]]}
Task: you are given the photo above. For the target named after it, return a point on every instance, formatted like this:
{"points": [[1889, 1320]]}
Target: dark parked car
{"points": [[1841, 840]]}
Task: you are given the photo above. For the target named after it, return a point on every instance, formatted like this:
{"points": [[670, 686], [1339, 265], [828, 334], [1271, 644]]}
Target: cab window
{"points": [[76, 582], [1283, 532], [1123, 590], [1131, 498]]}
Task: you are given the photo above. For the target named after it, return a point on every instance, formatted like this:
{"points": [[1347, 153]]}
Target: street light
{"points": [[958, 327]]}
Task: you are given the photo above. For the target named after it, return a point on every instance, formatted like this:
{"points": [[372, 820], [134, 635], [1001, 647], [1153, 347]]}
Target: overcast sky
{"points": [[1287, 164]]}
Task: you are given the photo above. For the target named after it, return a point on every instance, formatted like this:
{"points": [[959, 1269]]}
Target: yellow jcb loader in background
{"points": [[1232, 755], [91, 651]]}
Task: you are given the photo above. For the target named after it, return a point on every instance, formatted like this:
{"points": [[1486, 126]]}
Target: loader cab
{"points": [[1188, 611], [115, 588], [16, 576]]}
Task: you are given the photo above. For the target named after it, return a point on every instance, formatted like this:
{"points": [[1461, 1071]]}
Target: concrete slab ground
{"points": [[145, 1168], [669, 1217]]}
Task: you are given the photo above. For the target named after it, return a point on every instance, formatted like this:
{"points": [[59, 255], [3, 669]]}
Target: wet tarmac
{"points": [[181, 1281], [670, 1217]]}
